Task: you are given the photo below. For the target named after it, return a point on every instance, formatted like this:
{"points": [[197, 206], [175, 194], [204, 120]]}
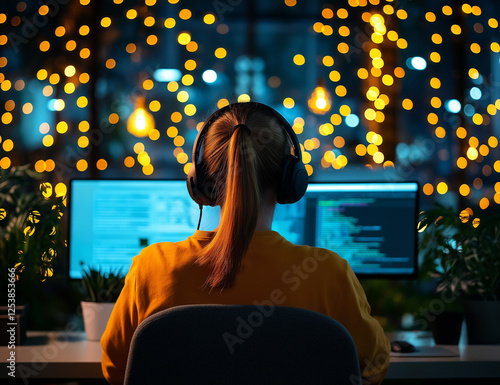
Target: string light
{"points": [[320, 101], [140, 122]]}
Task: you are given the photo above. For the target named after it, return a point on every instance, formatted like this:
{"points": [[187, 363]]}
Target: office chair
{"points": [[241, 344]]}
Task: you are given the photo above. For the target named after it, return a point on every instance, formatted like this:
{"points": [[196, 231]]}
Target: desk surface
{"points": [[70, 355]]}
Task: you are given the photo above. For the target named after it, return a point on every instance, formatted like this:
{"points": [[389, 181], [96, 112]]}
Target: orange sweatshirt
{"points": [[274, 271]]}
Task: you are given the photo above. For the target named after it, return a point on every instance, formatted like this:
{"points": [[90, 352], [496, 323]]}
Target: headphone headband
{"points": [[294, 182], [253, 105]]}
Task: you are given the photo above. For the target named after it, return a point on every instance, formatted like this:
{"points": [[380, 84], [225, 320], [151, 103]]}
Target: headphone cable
{"points": [[199, 221]]}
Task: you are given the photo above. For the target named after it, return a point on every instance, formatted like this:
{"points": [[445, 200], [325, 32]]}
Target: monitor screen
{"points": [[371, 225], [111, 221]]}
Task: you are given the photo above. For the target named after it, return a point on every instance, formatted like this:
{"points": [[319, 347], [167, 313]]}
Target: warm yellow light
{"points": [[402, 43], [110, 63], [85, 53], [461, 162], [8, 145], [60, 31], [169, 23], [334, 76], [440, 132], [401, 14], [131, 14], [184, 38], [472, 153], [361, 150], [435, 83], [220, 53], [185, 14], [148, 84], [101, 164], [342, 13], [464, 190], [243, 98], [436, 38], [327, 30], [190, 65], [187, 79], [129, 162], [320, 101], [344, 31], [328, 61], [192, 46], [299, 59], [442, 188], [343, 48], [362, 73], [399, 72], [149, 21], [62, 127], [179, 140], [318, 27], [378, 157], [447, 10], [435, 102], [475, 48], [82, 102], [341, 91], [48, 140], [327, 13], [288, 103], [81, 165], [190, 109], [456, 29], [140, 122], [44, 46], [435, 57], [83, 141], [492, 142], [388, 80], [484, 203], [209, 18], [83, 126], [428, 189], [152, 40], [176, 117], [84, 30]]}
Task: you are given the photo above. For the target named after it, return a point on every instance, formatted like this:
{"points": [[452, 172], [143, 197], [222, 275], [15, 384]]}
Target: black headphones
{"points": [[293, 183]]}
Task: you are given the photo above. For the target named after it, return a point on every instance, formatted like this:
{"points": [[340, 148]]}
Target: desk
{"points": [[61, 355], [472, 361]]}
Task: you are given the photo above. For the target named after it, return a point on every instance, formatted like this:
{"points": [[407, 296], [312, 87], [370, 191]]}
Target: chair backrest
{"points": [[241, 344]]}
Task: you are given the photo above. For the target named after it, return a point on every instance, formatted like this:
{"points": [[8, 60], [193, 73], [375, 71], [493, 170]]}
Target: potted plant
{"points": [[462, 250], [30, 240], [102, 291]]}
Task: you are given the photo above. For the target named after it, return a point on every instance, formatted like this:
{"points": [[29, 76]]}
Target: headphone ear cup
{"points": [[293, 182], [191, 183], [201, 191]]}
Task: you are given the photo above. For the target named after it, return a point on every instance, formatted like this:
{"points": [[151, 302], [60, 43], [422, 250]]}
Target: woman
{"points": [[246, 148]]}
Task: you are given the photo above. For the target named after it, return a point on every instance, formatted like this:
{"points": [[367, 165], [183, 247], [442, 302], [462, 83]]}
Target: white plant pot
{"points": [[95, 318]]}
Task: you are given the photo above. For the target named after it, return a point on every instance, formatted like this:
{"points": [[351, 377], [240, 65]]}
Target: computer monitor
{"points": [[371, 225], [111, 221]]}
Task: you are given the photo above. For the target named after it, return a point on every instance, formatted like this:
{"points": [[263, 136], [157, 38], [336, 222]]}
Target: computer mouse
{"points": [[402, 347]]}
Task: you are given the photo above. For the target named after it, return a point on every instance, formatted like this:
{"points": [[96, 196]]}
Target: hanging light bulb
{"points": [[140, 122], [320, 100]]}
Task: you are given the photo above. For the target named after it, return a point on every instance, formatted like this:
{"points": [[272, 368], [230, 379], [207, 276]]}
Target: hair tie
{"points": [[242, 125]]}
